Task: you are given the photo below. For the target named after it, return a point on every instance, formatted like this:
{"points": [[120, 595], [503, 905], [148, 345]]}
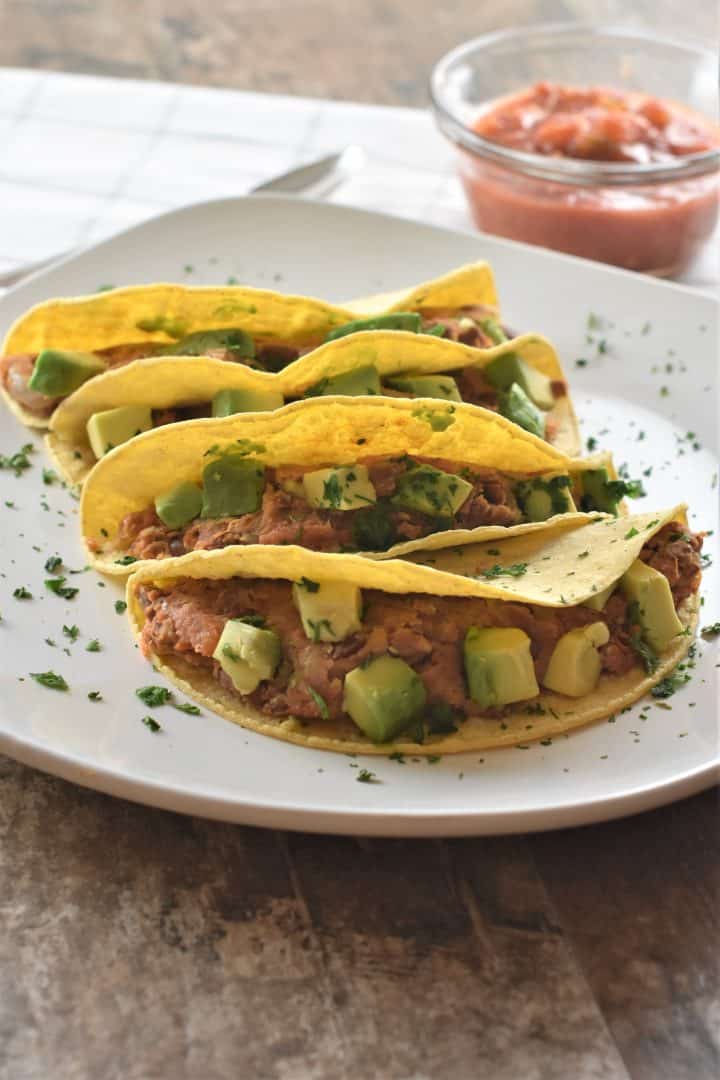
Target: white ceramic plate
{"points": [[650, 336]]}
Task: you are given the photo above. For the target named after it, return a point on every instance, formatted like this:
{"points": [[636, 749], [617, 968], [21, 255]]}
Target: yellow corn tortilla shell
{"points": [[164, 381], [556, 575], [110, 318], [471, 284], [314, 432]]}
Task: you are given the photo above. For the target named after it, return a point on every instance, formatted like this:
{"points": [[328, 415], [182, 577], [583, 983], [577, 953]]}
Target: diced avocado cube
{"points": [[228, 338], [57, 372], [544, 496], [383, 697], [427, 386], [329, 612], [229, 402], [399, 320], [598, 600], [346, 487], [599, 491], [510, 368], [179, 505], [430, 491], [498, 666], [108, 429], [360, 382], [575, 663], [247, 654], [232, 486], [515, 405], [650, 591], [494, 330]]}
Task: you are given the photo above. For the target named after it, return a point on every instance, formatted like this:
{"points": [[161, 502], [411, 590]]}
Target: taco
{"points": [[332, 474], [522, 379], [501, 643], [59, 345]]}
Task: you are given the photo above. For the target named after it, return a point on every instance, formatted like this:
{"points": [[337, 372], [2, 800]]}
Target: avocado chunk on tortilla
{"points": [[399, 320], [575, 664], [110, 428], [179, 505], [248, 654], [431, 491], [510, 368], [232, 485], [329, 612], [229, 338], [362, 381], [498, 666], [649, 590], [229, 402], [347, 487], [515, 405], [383, 697], [57, 372], [427, 386]]}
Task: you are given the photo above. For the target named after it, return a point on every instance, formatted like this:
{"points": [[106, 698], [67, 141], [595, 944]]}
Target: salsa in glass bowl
{"points": [[592, 141]]}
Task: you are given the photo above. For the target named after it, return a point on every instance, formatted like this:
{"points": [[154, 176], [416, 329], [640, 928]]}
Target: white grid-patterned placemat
{"points": [[85, 156]]}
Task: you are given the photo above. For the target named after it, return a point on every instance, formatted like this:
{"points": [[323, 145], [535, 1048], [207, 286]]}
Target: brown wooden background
{"points": [[137, 944]]}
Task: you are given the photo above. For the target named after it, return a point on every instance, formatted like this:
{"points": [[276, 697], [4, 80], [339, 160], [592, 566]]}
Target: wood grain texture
{"points": [[379, 50], [141, 945]]}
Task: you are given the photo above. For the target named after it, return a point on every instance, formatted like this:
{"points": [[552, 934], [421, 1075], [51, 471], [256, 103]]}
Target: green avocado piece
{"points": [[360, 382], [248, 654], [430, 491], [544, 496], [515, 405], [399, 320], [494, 330], [346, 487], [426, 386], [574, 665], [230, 338], [108, 429], [498, 666], [510, 368], [599, 491], [57, 372], [229, 402], [329, 612], [650, 591], [179, 505], [598, 600], [383, 697], [232, 486]]}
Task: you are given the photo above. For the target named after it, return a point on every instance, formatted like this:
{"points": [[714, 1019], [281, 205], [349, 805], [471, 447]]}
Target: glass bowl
{"points": [[650, 217]]}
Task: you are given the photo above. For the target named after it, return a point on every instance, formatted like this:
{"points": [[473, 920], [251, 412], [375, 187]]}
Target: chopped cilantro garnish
{"points": [[591, 444], [49, 679], [154, 696], [22, 593], [630, 533], [49, 476], [18, 461], [95, 695], [57, 585], [671, 684], [647, 655], [320, 702], [93, 646], [583, 555], [515, 570], [120, 606], [151, 723], [710, 631], [53, 564], [71, 632], [308, 585], [332, 492], [441, 718], [126, 560], [186, 707], [438, 421], [373, 529], [366, 777]]}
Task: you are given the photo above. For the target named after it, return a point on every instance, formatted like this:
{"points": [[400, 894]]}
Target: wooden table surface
{"points": [[138, 944]]}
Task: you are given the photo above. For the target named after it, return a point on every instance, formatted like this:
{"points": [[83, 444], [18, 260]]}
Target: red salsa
{"points": [[644, 224], [597, 124]]}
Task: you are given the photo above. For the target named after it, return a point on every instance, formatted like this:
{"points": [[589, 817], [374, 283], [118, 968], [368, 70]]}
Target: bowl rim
{"points": [[564, 170]]}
